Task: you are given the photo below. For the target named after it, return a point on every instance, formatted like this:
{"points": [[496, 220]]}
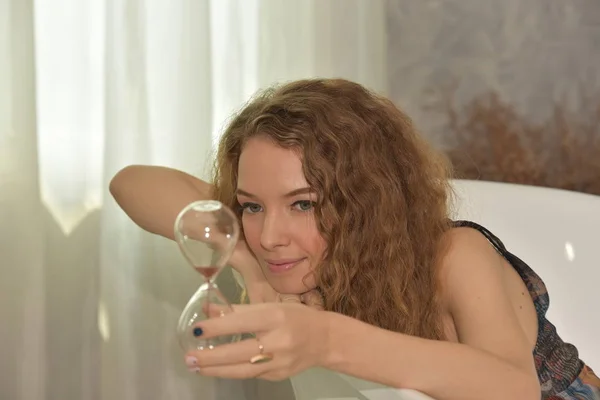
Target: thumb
{"points": [[313, 299]]}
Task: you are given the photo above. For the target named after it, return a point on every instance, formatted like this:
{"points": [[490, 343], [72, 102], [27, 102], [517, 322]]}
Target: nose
{"points": [[274, 232]]}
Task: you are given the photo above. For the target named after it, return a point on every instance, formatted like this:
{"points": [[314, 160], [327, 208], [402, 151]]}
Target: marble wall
{"points": [[531, 53]]}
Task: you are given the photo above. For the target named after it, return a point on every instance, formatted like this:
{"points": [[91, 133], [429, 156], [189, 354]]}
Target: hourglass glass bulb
{"points": [[207, 232]]}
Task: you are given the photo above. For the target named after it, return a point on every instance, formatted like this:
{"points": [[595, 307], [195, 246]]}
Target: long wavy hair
{"points": [[382, 193]]}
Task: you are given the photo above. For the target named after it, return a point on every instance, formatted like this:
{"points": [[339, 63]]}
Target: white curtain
{"points": [[89, 302]]}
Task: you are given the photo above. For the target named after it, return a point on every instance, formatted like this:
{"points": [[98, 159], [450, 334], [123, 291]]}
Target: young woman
{"points": [[338, 195]]}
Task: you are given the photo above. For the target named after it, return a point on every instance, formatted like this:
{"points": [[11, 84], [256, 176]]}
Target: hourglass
{"points": [[207, 232]]}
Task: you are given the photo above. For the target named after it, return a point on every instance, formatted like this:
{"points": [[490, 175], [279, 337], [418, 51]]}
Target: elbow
{"points": [[115, 183], [114, 187], [119, 181]]}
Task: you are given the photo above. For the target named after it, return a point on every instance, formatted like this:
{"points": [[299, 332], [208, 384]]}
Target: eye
{"points": [[251, 208], [303, 205]]}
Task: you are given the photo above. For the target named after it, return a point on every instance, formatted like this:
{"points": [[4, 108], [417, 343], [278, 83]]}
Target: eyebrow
{"points": [[293, 193]]}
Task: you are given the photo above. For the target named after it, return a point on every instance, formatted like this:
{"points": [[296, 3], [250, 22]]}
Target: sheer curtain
{"points": [[88, 301]]}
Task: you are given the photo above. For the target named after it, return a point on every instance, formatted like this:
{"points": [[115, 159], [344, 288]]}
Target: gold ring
{"points": [[261, 357]]}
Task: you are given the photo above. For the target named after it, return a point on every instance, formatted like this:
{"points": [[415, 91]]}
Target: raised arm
{"points": [[153, 196]]}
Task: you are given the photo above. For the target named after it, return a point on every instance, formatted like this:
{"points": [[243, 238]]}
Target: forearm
{"points": [[442, 370], [153, 196]]}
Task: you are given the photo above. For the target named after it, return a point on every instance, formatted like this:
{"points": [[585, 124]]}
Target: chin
{"points": [[290, 286]]}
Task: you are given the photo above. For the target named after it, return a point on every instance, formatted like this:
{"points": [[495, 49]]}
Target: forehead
{"points": [[266, 168]]}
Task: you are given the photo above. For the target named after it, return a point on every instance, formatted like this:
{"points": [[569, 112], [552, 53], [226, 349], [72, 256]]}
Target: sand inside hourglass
{"points": [[208, 271]]}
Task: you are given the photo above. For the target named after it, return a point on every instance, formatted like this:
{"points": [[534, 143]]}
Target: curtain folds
{"points": [[89, 302]]}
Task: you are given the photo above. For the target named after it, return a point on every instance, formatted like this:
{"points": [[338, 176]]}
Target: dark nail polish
{"points": [[198, 332]]}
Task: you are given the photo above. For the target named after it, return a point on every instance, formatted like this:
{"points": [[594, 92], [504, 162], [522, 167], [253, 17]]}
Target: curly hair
{"points": [[382, 203]]}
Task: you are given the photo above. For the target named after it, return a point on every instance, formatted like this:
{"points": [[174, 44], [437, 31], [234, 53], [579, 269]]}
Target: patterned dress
{"points": [[562, 375]]}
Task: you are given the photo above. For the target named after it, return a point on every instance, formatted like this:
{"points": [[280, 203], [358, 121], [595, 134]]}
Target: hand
{"points": [[244, 262], [259, 290], [283, 331]]}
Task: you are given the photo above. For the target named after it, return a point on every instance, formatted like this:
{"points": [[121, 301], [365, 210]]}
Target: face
{"points": [[278, 217]]}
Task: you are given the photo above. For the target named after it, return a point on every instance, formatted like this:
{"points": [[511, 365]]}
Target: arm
{"points": [[153, 196], [493, 360]]}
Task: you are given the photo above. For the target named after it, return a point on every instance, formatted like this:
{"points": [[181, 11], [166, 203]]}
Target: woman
{"points": [[336, 192]]}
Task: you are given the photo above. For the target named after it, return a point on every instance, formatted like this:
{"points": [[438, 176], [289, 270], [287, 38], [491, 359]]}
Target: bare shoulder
{"points": [[478, 294], [468, 252]]}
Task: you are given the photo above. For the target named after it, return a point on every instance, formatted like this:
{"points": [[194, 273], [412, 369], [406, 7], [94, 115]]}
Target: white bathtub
{"points": [[557, 232]]}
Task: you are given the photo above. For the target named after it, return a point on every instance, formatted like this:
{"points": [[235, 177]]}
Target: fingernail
{"points": [[191, 361], [195, 370], [198, 332]]}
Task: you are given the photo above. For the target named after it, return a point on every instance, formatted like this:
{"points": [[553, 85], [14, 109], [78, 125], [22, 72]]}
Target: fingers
{"points": [[244, 319], [212, 310], [230, 361], [243, 370], [313, 299], [226, 354], [289, 298]]}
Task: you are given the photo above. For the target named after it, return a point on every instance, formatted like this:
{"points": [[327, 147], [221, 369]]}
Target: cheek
{"points": [[318, 246], [312, 241]]}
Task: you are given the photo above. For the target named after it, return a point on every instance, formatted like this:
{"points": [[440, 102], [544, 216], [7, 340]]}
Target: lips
{"points": [[283, 265]]}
